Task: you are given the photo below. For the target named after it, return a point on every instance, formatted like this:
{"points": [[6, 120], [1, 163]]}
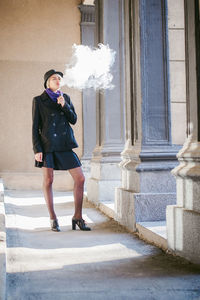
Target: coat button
{"points": [[52, 114], [55, 134], [54, 124], [62, 113]]}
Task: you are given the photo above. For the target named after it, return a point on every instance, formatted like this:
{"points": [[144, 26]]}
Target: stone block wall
{"points": [[176, 35]]}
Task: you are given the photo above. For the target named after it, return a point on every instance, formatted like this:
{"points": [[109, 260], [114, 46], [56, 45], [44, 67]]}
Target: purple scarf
{"points": [[53, 95]]}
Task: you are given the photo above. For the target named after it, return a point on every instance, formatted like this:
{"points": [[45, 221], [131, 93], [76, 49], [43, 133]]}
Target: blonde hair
{"points": [[47, 83]]}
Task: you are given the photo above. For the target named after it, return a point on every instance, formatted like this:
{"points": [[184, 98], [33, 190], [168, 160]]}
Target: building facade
{"points": [[142, 124], [139, 143]]}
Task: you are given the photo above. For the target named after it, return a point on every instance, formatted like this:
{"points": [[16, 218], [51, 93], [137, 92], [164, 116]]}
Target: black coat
{"points": [[51, 130]]}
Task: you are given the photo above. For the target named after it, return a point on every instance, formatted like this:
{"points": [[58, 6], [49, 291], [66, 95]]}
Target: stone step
{"points": [[154, 232]]}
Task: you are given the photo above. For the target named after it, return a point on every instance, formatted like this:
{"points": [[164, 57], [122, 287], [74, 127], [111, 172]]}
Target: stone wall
{"points": [[35, 37], [177, 70]]}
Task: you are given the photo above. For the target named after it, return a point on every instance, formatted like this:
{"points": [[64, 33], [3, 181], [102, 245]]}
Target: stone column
{"points": [[183, 219], [158, 155], [88, 95], [105, 173], [149, 156]]}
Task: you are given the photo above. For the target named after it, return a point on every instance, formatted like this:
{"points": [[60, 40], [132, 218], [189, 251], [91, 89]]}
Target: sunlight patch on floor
{"points": [[38, 200], [39, 223], [29, 260]]}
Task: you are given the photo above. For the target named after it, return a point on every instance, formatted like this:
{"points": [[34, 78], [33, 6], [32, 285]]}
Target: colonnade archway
{"points": [[141, 124]]}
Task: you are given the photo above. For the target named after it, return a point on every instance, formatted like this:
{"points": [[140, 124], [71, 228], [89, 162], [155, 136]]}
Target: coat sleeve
{"points": [[69, 110], [36, 127]]}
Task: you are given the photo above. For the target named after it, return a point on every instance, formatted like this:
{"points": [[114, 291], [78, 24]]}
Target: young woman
{"points": [[53, 141]]}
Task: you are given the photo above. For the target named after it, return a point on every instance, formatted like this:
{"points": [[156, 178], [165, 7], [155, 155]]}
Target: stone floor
{"points": [[106, 263]]}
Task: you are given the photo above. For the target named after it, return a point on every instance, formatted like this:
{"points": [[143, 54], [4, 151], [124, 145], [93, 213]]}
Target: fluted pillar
{"points": [[105, 172], [88, 95], [183, 219], [147, 185]]}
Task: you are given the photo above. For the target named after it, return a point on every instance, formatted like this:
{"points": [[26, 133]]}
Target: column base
{"points": [[183, 232], [105, 177], [86, 167], [124, 208], [147, 184], [183, 219], [131, 208], [101, 190]]}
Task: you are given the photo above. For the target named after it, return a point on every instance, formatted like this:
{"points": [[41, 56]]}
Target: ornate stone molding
{"points": [[130, 157], [189, 159], [87, 14]]}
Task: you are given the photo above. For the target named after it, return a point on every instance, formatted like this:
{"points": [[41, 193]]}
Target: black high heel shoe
{"points": [[81, 224], [54, 225]]}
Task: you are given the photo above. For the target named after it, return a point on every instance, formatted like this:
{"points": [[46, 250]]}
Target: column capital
{"points": [[87, 14]]}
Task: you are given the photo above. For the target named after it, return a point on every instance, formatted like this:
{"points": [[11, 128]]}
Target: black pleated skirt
{"points": [[64, 160]]}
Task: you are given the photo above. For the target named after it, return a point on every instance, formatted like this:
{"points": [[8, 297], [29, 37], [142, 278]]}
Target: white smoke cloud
{"points": [[90, 68]]}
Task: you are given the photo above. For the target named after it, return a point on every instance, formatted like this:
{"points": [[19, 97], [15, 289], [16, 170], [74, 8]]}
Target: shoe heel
{"points": [[73, 225]]}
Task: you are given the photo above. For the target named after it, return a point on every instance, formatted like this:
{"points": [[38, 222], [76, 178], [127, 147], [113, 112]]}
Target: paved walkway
{"points": [[106, 263]]}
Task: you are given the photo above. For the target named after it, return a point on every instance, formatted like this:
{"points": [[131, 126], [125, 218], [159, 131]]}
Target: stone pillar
{"points": [[158, 155], [183, 219], [149, 156], [105, 172], [88, 95]]}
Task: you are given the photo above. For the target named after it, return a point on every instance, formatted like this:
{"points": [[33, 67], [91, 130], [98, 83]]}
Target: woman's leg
{"points": [[79, 180], [47, 189]]}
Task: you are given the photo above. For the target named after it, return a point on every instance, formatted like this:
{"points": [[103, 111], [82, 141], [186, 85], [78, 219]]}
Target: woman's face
{"points": [[54, 82]]}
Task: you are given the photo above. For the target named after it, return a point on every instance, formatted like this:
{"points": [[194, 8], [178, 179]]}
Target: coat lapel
{"points": [[48, 101]]}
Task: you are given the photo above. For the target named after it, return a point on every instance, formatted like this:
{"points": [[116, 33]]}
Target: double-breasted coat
{"points": [[51, 130]]}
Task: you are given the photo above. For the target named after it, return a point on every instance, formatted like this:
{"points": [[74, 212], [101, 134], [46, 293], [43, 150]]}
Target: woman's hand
{"points": [[38, 156], [61, 100]]}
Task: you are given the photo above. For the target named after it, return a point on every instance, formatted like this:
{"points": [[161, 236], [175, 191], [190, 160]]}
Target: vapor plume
{"points": [[90, 68]]}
